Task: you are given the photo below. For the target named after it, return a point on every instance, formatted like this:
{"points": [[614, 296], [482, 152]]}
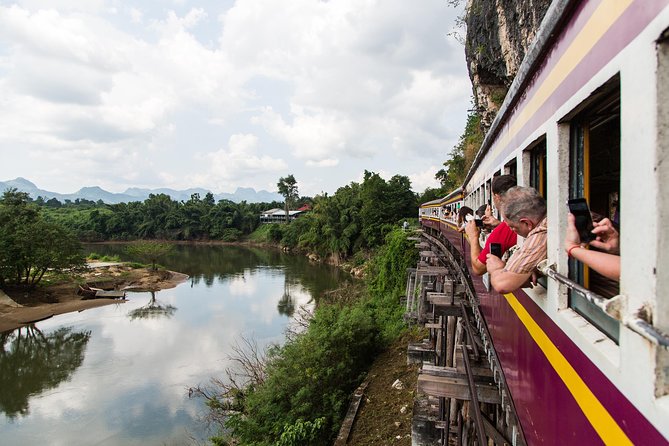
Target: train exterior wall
{"points": [[570, 383], [561, 397]]}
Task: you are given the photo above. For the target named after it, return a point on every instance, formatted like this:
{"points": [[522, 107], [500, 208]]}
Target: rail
{"points": [[636, 324], [475, 406]]}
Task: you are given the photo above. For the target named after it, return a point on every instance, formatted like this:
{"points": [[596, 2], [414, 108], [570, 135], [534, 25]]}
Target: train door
{"points": [[594, 173]]}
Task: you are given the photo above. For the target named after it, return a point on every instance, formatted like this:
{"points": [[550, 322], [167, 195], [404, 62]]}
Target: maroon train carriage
{"points": [[587, 115]]}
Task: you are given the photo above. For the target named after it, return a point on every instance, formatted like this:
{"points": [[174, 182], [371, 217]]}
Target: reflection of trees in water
{"points": [[286, 305], [153, 310], [207, 264], [32, 362]]}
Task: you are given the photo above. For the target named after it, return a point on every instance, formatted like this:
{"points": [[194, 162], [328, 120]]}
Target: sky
{"points": [[223, 94]]}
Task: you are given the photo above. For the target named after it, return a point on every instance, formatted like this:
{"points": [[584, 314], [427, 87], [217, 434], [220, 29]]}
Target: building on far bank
{"points": [[277, 215]]}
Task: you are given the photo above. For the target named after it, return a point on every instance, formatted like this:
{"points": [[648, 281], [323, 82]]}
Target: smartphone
{"points": [[479, 222], [579, 207], [496, 249]]}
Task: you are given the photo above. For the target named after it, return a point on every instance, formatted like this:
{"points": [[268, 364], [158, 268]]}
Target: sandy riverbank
{"points": [[19, 308]]}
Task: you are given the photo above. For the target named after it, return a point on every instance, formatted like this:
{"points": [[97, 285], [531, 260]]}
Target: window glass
{"points": [[594, 173], [511, 168], [538, 167]]}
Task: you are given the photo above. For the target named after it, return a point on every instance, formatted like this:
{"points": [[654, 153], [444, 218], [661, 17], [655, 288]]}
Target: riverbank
{"points": [[19, 307]]}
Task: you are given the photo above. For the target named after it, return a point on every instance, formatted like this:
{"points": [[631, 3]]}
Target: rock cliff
{"points": [[499, 33]]}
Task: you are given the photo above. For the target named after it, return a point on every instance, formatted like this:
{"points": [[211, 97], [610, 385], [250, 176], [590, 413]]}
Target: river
{"points": [[120, 374]]}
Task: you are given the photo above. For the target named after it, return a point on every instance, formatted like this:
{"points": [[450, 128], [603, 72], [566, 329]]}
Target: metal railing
{"points": [[609, 306]]}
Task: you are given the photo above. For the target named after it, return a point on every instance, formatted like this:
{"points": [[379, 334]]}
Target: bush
{"points": [[275, 232], [387, 280], [231, 235], [309, 380]]}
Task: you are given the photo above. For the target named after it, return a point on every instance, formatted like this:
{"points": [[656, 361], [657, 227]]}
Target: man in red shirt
{"points": [[502, 234]]}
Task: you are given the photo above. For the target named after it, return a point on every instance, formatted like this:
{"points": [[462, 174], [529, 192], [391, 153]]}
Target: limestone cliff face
{"points": [[499, 33]]}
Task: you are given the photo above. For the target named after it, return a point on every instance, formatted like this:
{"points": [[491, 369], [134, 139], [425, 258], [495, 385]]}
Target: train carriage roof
{"points": [[436, 202], [453, 196]]}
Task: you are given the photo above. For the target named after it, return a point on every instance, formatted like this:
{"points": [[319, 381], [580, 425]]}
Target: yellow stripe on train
{"points": [[606, 427]]}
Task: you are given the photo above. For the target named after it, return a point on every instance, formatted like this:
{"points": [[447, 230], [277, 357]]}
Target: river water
{"points": [[120, 374]]}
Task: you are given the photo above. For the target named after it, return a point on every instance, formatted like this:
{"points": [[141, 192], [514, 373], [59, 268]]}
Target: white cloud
{"points": [[343, 86], [237, 162], [135, 15], [424, 179], [314, 136]]}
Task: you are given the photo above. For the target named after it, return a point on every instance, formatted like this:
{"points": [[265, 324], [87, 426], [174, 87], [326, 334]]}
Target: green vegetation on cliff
{"points": [[462, 156]]}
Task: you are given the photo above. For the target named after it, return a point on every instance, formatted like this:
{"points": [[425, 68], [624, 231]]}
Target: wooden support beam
{"points": [[481, 368], [458, 372], [347, 424], [493, 433], [431, 270], [458, 388]]}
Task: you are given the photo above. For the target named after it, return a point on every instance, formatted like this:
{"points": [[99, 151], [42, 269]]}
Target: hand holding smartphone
{"points": [[496, 249], [579, 208]]}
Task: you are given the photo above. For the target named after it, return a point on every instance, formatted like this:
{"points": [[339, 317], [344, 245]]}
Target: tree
{"points": [[29, 245], [149, 250], [288, 188], [462, 155]]}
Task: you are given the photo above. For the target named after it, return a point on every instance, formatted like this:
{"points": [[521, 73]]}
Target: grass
{"points": [[105, 258], [261, 234]]}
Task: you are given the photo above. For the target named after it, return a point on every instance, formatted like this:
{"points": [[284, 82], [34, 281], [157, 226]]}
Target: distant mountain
{"points": [[96, 193]]}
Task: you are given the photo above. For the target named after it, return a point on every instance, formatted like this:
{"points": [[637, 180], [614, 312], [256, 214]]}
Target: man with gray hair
{"points": [[524, 210]]}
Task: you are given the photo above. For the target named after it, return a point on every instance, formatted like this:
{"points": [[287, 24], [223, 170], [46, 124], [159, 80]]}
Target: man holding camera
{"points": [[524, 211], [501, 233]]}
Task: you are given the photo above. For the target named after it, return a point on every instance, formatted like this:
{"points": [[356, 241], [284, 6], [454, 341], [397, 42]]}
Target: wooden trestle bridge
{"points": [[462, 398]]}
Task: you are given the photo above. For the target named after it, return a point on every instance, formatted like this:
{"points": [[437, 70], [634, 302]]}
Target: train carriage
{"points": [[585, 361]]}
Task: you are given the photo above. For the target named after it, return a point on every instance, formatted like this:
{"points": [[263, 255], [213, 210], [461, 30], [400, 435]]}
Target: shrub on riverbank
{"points": [[303, 392]]}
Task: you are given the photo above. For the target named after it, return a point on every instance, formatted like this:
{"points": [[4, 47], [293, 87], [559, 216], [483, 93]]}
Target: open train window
{"points": [[538, 167], [594, 173], [511, 168]]}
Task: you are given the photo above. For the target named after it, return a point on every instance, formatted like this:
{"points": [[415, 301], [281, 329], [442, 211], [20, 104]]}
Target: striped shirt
{"points": [[533, 251]]}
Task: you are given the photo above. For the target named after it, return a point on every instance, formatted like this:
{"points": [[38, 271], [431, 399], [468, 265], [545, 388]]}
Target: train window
{"points": [[511, 168], [538, 167], [594, 173]]}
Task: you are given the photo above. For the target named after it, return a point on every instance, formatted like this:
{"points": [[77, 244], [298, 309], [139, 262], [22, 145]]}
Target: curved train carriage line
{"points": [[587, 115]]}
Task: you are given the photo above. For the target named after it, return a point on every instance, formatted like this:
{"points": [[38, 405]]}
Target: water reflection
{"points": [[130, 364], [32, 362], [211, 264], [154, 309], [286, 305]]}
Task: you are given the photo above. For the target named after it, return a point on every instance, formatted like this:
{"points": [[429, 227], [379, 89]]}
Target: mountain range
{"points": [[96, 193]]}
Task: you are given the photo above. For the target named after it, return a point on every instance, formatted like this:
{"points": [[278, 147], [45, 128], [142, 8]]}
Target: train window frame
{"points": [[535, 157], [600, 109], [511, 167], [661, 317]]}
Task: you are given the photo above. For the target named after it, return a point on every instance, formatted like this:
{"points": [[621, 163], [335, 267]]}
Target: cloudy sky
{"points": [[225, 93]]}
